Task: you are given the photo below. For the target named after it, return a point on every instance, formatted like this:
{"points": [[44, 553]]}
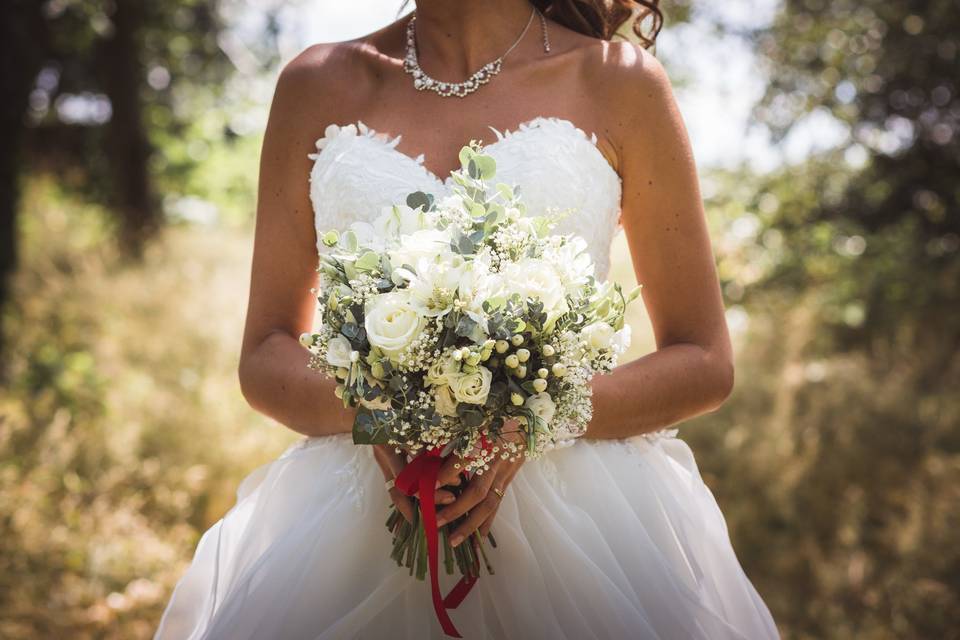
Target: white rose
{"points": [[597, 336], [445, 403], [392, 323], [535, 278], [473, 387], [425, 243], [338, 352], [542, 406], [442, 370]]}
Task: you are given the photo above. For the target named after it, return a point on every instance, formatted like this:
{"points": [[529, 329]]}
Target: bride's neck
{"points": [[456, 37]]}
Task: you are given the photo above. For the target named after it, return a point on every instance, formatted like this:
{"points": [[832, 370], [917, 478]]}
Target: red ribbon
{"points": [[421, 475]]}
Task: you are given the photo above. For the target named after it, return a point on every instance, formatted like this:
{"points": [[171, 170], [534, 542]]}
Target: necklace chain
{"points": [[423, 82]]}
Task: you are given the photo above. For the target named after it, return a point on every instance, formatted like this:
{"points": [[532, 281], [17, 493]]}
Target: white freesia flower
{"points": [[472, 387], [621, 340], [423, 243], [444, 401], [367, 235], [392, 322], [338, 352], [398, 220], [434, 284], [542, 406], [597, 336], [573, 263], [477, 284]]}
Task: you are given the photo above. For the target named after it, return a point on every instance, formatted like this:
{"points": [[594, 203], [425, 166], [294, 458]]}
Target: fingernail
{"points": [[456, 540]]}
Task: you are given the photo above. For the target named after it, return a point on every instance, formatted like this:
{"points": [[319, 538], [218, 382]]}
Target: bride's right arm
{"points": [[273, 372]]}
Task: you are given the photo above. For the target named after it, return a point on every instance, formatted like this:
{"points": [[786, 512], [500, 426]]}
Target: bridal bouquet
{"points": [[462, 327]]}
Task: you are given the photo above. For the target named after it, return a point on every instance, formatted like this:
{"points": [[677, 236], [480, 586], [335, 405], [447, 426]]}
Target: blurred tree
{"points": [[889, 72]]}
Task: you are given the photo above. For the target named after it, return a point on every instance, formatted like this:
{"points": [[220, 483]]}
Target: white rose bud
{"points": [[392, 322], [559, 369], [502, 346], [548, 350], [523, 354], [542, 406], [539, 385], [338, 352], [517, 340], [542, 372], [521, 371], [516, 399], [598, 335], [512, 361]]}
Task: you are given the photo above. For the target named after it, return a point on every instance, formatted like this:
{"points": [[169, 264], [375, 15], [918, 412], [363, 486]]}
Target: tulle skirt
{"points": [[601, 539]]}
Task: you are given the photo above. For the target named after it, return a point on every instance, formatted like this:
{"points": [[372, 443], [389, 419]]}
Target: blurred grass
{"points": [[123, 436], [123, 432]]}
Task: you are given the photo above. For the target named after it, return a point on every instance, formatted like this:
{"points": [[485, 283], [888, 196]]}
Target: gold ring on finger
{"points": [[498, 492]]}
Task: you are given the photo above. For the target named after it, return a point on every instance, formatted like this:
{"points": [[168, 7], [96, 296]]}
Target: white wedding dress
{"points": [[600, 539]]}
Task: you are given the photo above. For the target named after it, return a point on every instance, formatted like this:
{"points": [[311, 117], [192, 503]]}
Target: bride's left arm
{"points": [[691, 372]]}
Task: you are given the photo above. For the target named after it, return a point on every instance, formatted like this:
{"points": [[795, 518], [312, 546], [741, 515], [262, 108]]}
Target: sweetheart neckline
{"points": [[526, 125]]}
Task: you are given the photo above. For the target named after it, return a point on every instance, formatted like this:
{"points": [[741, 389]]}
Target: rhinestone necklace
{"points": [[423, 82]]}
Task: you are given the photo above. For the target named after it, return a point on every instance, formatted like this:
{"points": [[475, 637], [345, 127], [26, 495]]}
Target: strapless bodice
{"points": [[357, 171]]}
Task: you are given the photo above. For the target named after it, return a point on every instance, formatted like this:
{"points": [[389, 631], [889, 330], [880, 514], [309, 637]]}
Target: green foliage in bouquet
{"points": [[445, 321]]}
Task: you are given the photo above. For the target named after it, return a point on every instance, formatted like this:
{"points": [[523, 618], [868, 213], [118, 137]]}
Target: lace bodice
{"points": [[357, 171]]}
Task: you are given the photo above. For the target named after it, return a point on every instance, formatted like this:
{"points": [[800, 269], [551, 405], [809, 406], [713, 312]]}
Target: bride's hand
{"points": [[391, 464], [480, 499]]}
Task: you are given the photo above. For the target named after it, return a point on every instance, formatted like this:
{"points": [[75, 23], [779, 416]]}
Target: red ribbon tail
{"points": [[421, 474]]}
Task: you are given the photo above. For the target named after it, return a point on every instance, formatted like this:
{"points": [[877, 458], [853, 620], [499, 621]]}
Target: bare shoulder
{"points": [[636, 93], [324, 80]]}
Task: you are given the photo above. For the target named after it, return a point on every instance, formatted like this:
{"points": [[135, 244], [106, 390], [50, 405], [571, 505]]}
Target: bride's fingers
{"points": [[449, 474], [508, 478], [479, 515], [476, 491], [403, 503]]}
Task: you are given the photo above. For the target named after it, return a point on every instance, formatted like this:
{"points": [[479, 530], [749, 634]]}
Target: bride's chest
{"points": [[553, 164]]}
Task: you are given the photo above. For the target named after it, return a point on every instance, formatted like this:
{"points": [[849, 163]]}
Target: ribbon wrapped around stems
{"points": [[421, 475]]}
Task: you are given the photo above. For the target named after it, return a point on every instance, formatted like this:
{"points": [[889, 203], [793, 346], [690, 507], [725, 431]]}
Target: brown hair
{"points": [[602, 18]]}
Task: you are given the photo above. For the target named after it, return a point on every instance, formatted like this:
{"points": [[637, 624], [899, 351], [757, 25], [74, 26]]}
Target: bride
{"points": [[615, 536]]}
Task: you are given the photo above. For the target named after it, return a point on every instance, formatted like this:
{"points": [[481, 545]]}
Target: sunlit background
{"points": [[828, 140]]}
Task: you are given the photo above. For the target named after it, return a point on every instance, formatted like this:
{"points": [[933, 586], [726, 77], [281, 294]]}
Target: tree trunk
{"points": [[128, 145], [22, 45]]}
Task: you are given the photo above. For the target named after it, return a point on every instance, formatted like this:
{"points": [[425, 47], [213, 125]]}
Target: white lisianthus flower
{"points": [[398, 220], [597, 336], [424, 243], [472, 388], [338, 352], [444, 401], [535, 278], [621, 340], [434, 285], [542, 406], [392, 322]]}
